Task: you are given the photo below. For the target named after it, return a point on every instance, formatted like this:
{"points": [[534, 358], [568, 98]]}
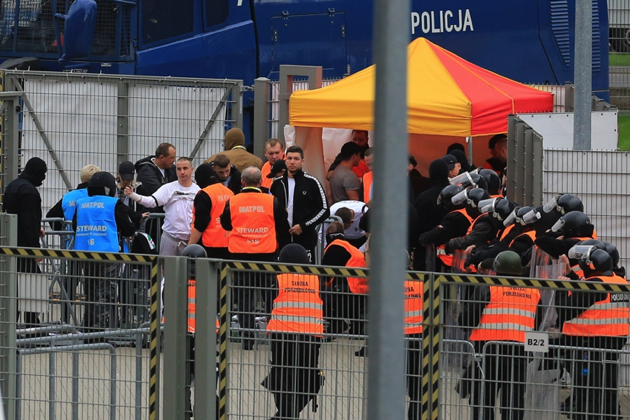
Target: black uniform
{"points": [[22, 198]]}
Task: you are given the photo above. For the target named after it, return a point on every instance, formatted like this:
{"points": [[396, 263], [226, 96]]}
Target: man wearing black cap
{"points": [[344, 184], [126, 175], [303, 197], [277, 170], [22, 198], [453, 165]]}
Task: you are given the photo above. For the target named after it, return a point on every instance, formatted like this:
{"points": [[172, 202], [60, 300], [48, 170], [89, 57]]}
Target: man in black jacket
{"points": [[226, 173], [304, 198], [153, 172], [430, 214], [22, 198]]}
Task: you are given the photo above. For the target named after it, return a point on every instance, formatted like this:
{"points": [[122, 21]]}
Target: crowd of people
{"points": [[459, 221]]}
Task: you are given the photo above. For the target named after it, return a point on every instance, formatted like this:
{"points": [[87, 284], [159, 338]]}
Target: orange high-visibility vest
{"points": [[298, 307], [607, 318], [192, 308], [531, 234], [358, 285], [470, 228], [440, 251], [367, 185], [510, 313], [253, 224], [506, 231], [215, 236], [414, 291]]}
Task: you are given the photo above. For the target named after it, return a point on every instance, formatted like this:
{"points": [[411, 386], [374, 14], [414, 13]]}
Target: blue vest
{"points": [[68, 203], [96, 224]]}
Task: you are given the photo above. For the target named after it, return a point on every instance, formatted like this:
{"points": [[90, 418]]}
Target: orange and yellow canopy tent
{"points": [[446, 96]]}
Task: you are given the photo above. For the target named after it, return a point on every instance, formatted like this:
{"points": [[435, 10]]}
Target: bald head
{"points": [[251, 177]]}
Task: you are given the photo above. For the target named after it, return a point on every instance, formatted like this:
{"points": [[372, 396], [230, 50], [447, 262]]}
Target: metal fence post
{"points": [[386, 387], [8, 309], [237, 99], [10, 137], [314, 75], [122, 123], [206, 338], [175, 328], [261, 114]]}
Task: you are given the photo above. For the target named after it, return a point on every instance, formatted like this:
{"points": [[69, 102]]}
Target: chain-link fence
{"points": [[71, 120], [619, 42]]}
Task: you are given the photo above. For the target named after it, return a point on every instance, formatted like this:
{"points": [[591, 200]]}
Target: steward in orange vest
{"points": [[501, 313], [414, 291], [257, 223], [597, 321], [347, 298], [453, 225], [208, 207], [296, 328]]}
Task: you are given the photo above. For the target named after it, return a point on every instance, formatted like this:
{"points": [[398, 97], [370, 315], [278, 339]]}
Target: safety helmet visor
{"points": [[462, 179], [487, 205], [581, 252], [510, 219], [550, 205], [459, 198], [531, 216]]}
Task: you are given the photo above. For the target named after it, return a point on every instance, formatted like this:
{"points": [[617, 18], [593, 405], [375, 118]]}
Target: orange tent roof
{"points": [[446, 95]]}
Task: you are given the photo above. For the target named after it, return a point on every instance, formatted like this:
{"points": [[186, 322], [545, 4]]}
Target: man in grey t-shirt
{"points": [[344, 184]]}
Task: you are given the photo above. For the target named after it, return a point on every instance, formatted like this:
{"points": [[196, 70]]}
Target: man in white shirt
{"points": [[177, 197]]}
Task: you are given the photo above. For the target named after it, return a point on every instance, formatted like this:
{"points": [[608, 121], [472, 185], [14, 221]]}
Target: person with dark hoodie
{"points": [[22, 198], [461, 158], [430, 214]]}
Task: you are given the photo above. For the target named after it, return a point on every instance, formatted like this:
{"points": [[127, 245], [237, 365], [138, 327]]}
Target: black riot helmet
{"points": [[470, 180], [446, 197], [473, 197], [596, 263], [564, 204], [502, 209], [517, 216], [492, 179], [102, 183], [507, 263], [194, 251], [606, 246], [573, 225]]}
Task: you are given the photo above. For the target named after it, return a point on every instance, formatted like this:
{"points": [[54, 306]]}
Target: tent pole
{"points": [[386, 367], [469, 140]]}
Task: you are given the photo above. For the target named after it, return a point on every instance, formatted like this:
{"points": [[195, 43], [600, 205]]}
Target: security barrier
{"points": [[453, 378], [81, 343]]}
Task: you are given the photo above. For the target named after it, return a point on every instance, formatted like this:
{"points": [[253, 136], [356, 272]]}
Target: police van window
{"points": [[164, 19], [217, 11]]}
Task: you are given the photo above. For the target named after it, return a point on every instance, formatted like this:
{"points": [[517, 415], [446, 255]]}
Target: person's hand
{"points": [[469, 250], [479, 268], [42, 232], [145, 215], [128, 191], [38, 260], [295, 230], [563, 278], [565, 261]]}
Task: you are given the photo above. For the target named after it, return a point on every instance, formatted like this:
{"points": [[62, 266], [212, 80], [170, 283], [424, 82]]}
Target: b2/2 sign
{"points": [[537, 342]]}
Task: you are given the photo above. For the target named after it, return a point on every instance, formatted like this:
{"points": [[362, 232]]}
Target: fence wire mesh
{"points": [[619, 42], [81, 338], [71, 120]]}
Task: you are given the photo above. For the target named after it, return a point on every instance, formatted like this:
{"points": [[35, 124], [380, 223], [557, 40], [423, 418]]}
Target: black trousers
{"points": [[245, 286], [294, 377], [414, 376], [100, 294], [505, 371], [594, 376]]}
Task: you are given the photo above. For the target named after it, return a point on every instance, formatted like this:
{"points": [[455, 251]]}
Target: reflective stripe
{"points": [[504, 326], [616, 305], [508, 311], [410, 314], [605, 321], [300, 305], [191, 315], [302, 319], [414, 325]]}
